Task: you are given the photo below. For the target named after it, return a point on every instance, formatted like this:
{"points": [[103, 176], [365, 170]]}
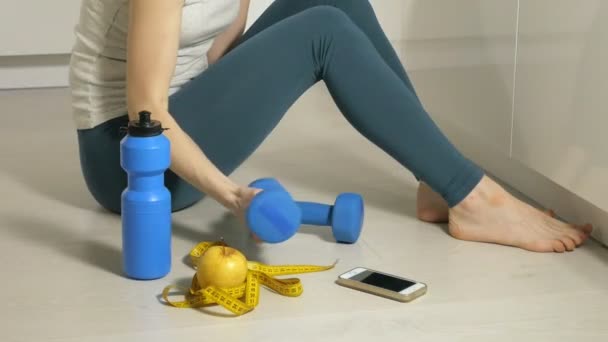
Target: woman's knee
{"points": [[106, 195], [325, 17], [346, 4], [330, 22]]}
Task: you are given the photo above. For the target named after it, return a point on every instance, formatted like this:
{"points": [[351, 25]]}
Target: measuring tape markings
{"points": [[230, 298]]}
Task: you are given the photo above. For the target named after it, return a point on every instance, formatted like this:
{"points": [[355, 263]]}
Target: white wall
{"points": [[519, 87], [37, 27]]}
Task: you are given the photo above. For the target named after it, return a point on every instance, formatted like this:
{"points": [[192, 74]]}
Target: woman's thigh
{"points": [[234, 105]]}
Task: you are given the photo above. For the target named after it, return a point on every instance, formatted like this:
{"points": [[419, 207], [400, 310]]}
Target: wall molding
{"points": [[37, 71]]}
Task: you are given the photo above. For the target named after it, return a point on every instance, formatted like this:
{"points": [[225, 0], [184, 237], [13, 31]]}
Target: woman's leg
{"points": [[231, 108], [99, 150], [431, 207], [359, 11], [247, 92]]}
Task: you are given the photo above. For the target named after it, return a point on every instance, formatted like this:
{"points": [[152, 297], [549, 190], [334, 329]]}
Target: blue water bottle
{"points": [[146, 202]]}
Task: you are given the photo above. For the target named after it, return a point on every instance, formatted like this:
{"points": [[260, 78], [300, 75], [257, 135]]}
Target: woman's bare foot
{"points": [[430, 206], [490, 214]]}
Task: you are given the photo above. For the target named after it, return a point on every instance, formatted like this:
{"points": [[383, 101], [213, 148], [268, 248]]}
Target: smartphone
{"points": [[382, 284]]}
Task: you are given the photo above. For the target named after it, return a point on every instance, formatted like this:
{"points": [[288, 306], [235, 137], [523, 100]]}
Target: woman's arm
{"points": [[153, 41], [225, 41]]}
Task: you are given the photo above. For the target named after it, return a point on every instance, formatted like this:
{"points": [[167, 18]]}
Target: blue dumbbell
{"points": [[273, 215], [276, 217], [345, 217]]}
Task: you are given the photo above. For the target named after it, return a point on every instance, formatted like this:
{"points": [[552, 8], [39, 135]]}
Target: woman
{"points": [[222, 92]]}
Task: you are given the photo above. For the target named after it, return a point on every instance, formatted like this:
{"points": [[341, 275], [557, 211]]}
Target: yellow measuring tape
{"points": [[243, 298]]}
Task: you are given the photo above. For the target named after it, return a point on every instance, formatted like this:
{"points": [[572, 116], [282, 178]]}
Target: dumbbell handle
{"points": [[315, 214]]}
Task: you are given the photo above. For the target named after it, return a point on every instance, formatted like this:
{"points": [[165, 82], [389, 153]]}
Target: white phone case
{"points": [[407, 295]]}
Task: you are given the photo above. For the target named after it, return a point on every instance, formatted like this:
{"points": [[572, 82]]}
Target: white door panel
{"points": [[560, 104]]}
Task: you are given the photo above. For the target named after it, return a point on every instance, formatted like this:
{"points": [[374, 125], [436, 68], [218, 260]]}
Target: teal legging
{"points": [[292, 46]]}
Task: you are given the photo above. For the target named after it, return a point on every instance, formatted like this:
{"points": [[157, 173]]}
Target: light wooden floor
{"points": [[61, 271]]}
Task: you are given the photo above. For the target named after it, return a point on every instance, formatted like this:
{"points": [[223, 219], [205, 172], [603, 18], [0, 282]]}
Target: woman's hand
{"points": [[242, 200], [243, 197]]}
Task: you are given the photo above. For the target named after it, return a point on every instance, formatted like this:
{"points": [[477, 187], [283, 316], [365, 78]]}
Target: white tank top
{"points": [[98, 61]]}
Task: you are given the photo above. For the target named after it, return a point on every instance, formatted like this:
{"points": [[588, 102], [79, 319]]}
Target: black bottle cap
{"points": [[145, 126]]}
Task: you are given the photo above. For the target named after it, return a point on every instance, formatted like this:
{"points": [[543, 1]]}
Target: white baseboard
{"points": [[529, 183]]}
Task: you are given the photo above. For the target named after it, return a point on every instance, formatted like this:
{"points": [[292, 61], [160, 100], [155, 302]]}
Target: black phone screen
{"points": [[383, 281]]}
